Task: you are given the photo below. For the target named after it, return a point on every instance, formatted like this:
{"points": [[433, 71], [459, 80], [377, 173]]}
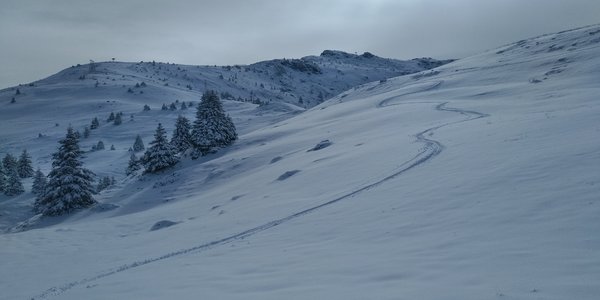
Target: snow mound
{"points": [[162, 224]]}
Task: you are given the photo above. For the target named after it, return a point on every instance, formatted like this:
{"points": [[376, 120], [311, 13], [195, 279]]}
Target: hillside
{"points": [[475, 180], [303, 82], [35, 116]]}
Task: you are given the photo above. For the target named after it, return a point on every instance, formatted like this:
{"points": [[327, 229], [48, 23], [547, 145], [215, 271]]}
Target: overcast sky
{"points": [[39, 38]]}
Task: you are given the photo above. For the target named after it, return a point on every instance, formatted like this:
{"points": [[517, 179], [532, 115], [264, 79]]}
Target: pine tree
{"points": [[111, 117], [39, 183], [70, 185], [100, 145], [183, 106], [12, 182], [2, 178], [212, 128], [164, 107], [24, 168], [161, 154], [138, 145], [104, 183], [95, 124], [13, 185], [146, 107], [118, 119], [133, 165], [181, 135], [172, 106], [86, 132], [10, 164]]}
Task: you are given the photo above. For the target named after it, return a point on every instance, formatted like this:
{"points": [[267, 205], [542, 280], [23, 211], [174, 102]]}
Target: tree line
{"points": [[68, 186]]}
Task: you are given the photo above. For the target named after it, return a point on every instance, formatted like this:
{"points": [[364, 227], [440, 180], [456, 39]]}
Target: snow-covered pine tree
{"points": [[70, 185], [138, 145], [10, 164], [181, 135], [183, 106], [100, 145], [133, 165], [2, 178], [212, 127], [164, 107], [39, 183], [86, 132], [111, 117], [146, 107], [118, 119], [13, 184], [103, 184], [95, 124], [172, 106], [161, 154], [24, 168]]}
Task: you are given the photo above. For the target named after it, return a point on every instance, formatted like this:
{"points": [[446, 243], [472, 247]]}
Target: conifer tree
{"points": [[172, 106], [161, 154], [138, 145], [104, 183], [10, 164], [39, 183], [183, 106], [133, 165], [118, 119], [12, 182], [181, 135], [100, 145], [2, 178], [95, 124], [86, 132], [70, 185], [111, 117], [146, 107], [212, 127], [24, 168], [13, 185]]}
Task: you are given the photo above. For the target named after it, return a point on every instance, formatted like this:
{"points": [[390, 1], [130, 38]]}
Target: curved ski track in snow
{"points": [[431, 149], [385, 102]]}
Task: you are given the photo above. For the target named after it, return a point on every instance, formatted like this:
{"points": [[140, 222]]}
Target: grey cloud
{"points": [[42, 37]]}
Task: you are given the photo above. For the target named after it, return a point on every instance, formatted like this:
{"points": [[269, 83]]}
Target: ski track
{"points": [[431, 149], [384, 102]]}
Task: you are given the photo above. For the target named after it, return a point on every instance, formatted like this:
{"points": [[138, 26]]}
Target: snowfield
{"points": [[478, 179]]}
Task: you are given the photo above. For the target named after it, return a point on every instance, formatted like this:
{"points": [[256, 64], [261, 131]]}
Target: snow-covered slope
{"points": [[35, 116], [476, 180], [303, 82]]}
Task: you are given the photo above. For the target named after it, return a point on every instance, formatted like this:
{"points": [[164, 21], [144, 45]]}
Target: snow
{"points": [[472, 181]]}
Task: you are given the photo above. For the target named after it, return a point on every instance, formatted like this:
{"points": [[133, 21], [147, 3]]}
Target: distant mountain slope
{"points": [[303, 82]]}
